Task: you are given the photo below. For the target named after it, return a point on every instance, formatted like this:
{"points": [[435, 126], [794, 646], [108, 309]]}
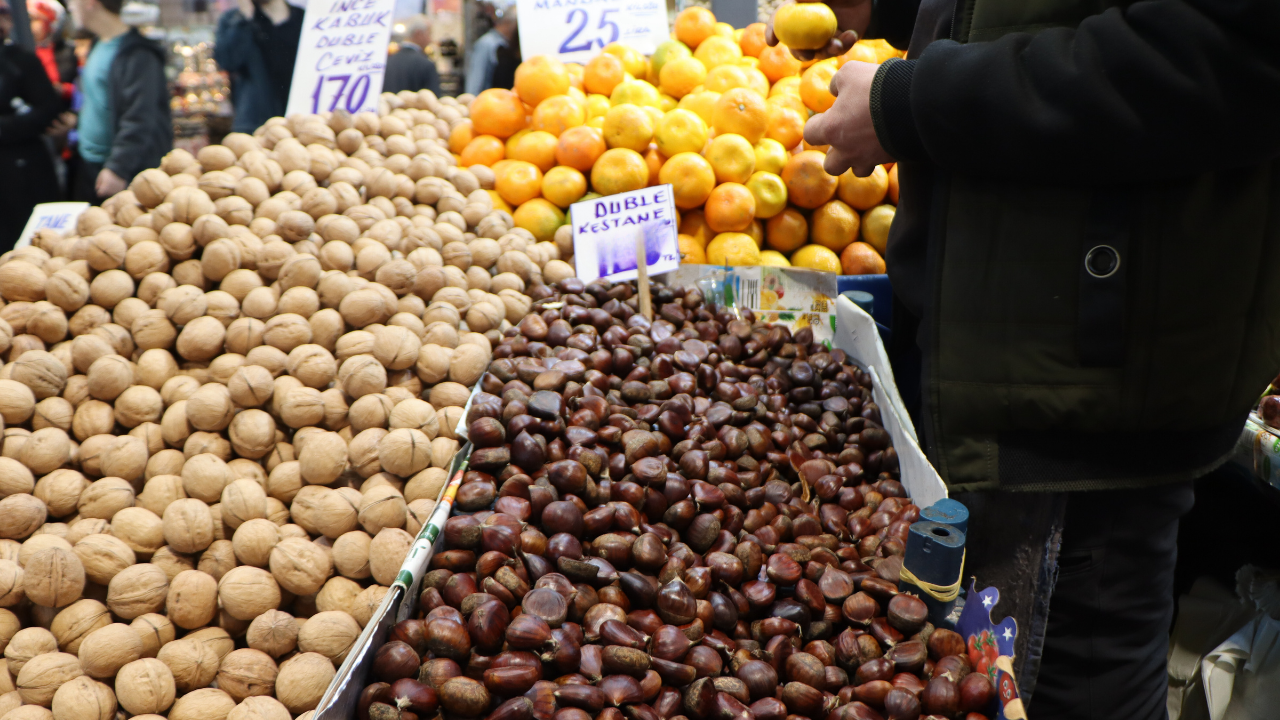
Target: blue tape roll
{"points": [[948, 512]]}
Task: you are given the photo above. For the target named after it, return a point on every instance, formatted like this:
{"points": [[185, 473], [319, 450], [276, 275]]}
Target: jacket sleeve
{"points": [[138, 143], [1160, 89], [37, 92], [232, 42]]}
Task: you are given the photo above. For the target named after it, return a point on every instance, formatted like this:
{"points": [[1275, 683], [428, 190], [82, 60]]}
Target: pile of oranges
{"points": [[716, 113]]}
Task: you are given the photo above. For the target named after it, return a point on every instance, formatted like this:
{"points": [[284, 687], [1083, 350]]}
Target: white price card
{"points": [[605, 229], [342, 56], [575, 30], [60, 217]]}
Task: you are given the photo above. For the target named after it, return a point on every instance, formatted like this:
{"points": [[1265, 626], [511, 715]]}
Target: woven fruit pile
{"points": [[715, 113]]}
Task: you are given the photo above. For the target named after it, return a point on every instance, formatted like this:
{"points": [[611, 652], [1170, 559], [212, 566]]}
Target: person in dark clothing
{"points": [[124, 126], [257, 45], [409, 68], [28, 105], [1071, 173]]}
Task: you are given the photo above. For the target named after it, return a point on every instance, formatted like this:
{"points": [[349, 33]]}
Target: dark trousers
{"points": [[84, 182], [1107, 637]]}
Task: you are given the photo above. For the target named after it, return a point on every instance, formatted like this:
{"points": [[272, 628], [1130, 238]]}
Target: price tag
{"points": [[575, 30], [605, 229], [57, 216], [342, 56]]}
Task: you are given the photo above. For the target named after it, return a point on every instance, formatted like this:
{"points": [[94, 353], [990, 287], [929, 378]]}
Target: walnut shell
{"points": [[84, 699], [246, 592], [247, 673], [105, 650], [203, 704], [145, 686], [302, 681], [42, 675], [137, 590]]}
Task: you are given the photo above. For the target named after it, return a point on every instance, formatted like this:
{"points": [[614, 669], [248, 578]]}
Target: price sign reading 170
{"points": [[342, 56], [576, 30]]}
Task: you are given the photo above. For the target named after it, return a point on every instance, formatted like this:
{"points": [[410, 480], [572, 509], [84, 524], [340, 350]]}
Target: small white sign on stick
{"points": [[342, 56], [605, 228], [575, 30], [57, 216]]}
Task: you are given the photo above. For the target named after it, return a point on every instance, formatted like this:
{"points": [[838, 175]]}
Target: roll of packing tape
{"points": [[948, 512]]}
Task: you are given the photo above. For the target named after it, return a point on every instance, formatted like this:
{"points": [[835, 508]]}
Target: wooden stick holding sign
{"points": [[642, 276]]}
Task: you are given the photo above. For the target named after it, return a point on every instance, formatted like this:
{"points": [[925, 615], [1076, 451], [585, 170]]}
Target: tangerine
{"points": [[654, 160], [740, 111], [515, 140], [864, 193], [730, 208], [834, 225], [597, 106], [666, 52], [756, 231], [770, 193], [539, 217], [893, 184], [619, 170], [757, 81], [861, 52], [773, 258], [860, 258], [732, 157], [816, 257], [694, 224], [557, 114], [628, 126], [482, 150], [691, 179], [815, 84], [460, 136], [805, 26], [563, 185], [541, 77], [635, 92], [770, 156], [785, 125], [808, 185], [580, 147], [726, 77], [777, 63], [701, 102], [733, 248], [632, 61], [752, 40], [717, 50], [875, 226], [602, 74], [787, 230], [693, 25], [537, 147], [691, 252], [519, 182], [680, 131], [680, 76], [497, 112]]}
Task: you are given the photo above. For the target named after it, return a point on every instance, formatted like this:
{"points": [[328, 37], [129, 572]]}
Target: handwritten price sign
{"points": [[575, 30], [342, 56]]}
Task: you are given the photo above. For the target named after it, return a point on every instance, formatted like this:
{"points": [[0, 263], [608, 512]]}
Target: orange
{"points": [[498, 202], [497, 112], [602, 74], [635, 92], [541, 77], [816, 257], [500, 167], [861, 52], [787, 87], [691, 252], [864, 193], [756, 232], [483, 150], [694, 224], [579, 147], [680, 131], [730, 208], [808, 185], [575, 74], [596, 122], [785, 125], [702, 102], [770, 194], [726, 77], [834, 225], [724, 29], [732, 157], [666, 103], [514, 140], [557, 114], [815, 85], [519, 182], [597, 105], [632, 61], [740, 111], [875, 226], [860, 258], [539, 148], [680, 76], [691, 178], [539, 217], [655, 115], [773, 258], [757, 81], [563, 185], [804, 26], [770, 156], [619, 170], [893, 184], [628, 126], [665, 53], [460, 136], [786, 231], [693, 25], [654, 160], [752, 40], [717, 50], [733, 248], [777, 62]]}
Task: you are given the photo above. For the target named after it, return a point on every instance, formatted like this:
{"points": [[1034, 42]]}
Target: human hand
{"points": [[61, 125], [108, 184], [852, 19], [847, 125]]}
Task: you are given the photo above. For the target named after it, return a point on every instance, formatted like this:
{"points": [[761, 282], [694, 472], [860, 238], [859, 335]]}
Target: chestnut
{"points": [[395, 660]]}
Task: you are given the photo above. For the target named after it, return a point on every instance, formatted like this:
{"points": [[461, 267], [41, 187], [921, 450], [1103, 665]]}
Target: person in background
{"points": [[58, 58], [410, 68], [28, 104], [257, 44], [124, 124], [488, 61]]}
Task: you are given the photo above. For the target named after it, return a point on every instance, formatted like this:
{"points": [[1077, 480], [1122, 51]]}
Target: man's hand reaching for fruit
{"points": [[852, 18], [847, 126]]}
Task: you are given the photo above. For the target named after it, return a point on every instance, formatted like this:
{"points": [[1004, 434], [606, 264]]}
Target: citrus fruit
{"points": [[777, 62], [752, 40], [597, 106], [740, 111], [834, 225], [541, 77], [717, 50], [875, 226], [816, 257], [786, 231], [702, 102], [666, 103], [732, 157], [666, 52], [482, 150], [694, 224], [770, 193], [680, 131], [579, 147], [693, 25], [632, 61], [563, 185], [861, 52], [757, 81], [557, 114], [756, 231], [497, 112], [815, 85], [691, 251], [893, 184], [784, 125], [726, 77], [537, 147], [619, 170], [634, 92], [654, 160], [770, 156], [460, 136], [808, 185], [733, 248], [519, 182], [539, 217], [515, 140], [773, 258], [655, 115], [860, 258], [596, 122], [498, 202], [804, 26], [602, 74], [787, 86], [680, 76], [724, 29], [730, 208], [691, 178], [628, 126], [864, 193]]}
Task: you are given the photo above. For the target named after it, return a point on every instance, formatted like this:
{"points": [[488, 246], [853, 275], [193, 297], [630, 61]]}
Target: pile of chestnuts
{"points": [[695, 517]]}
